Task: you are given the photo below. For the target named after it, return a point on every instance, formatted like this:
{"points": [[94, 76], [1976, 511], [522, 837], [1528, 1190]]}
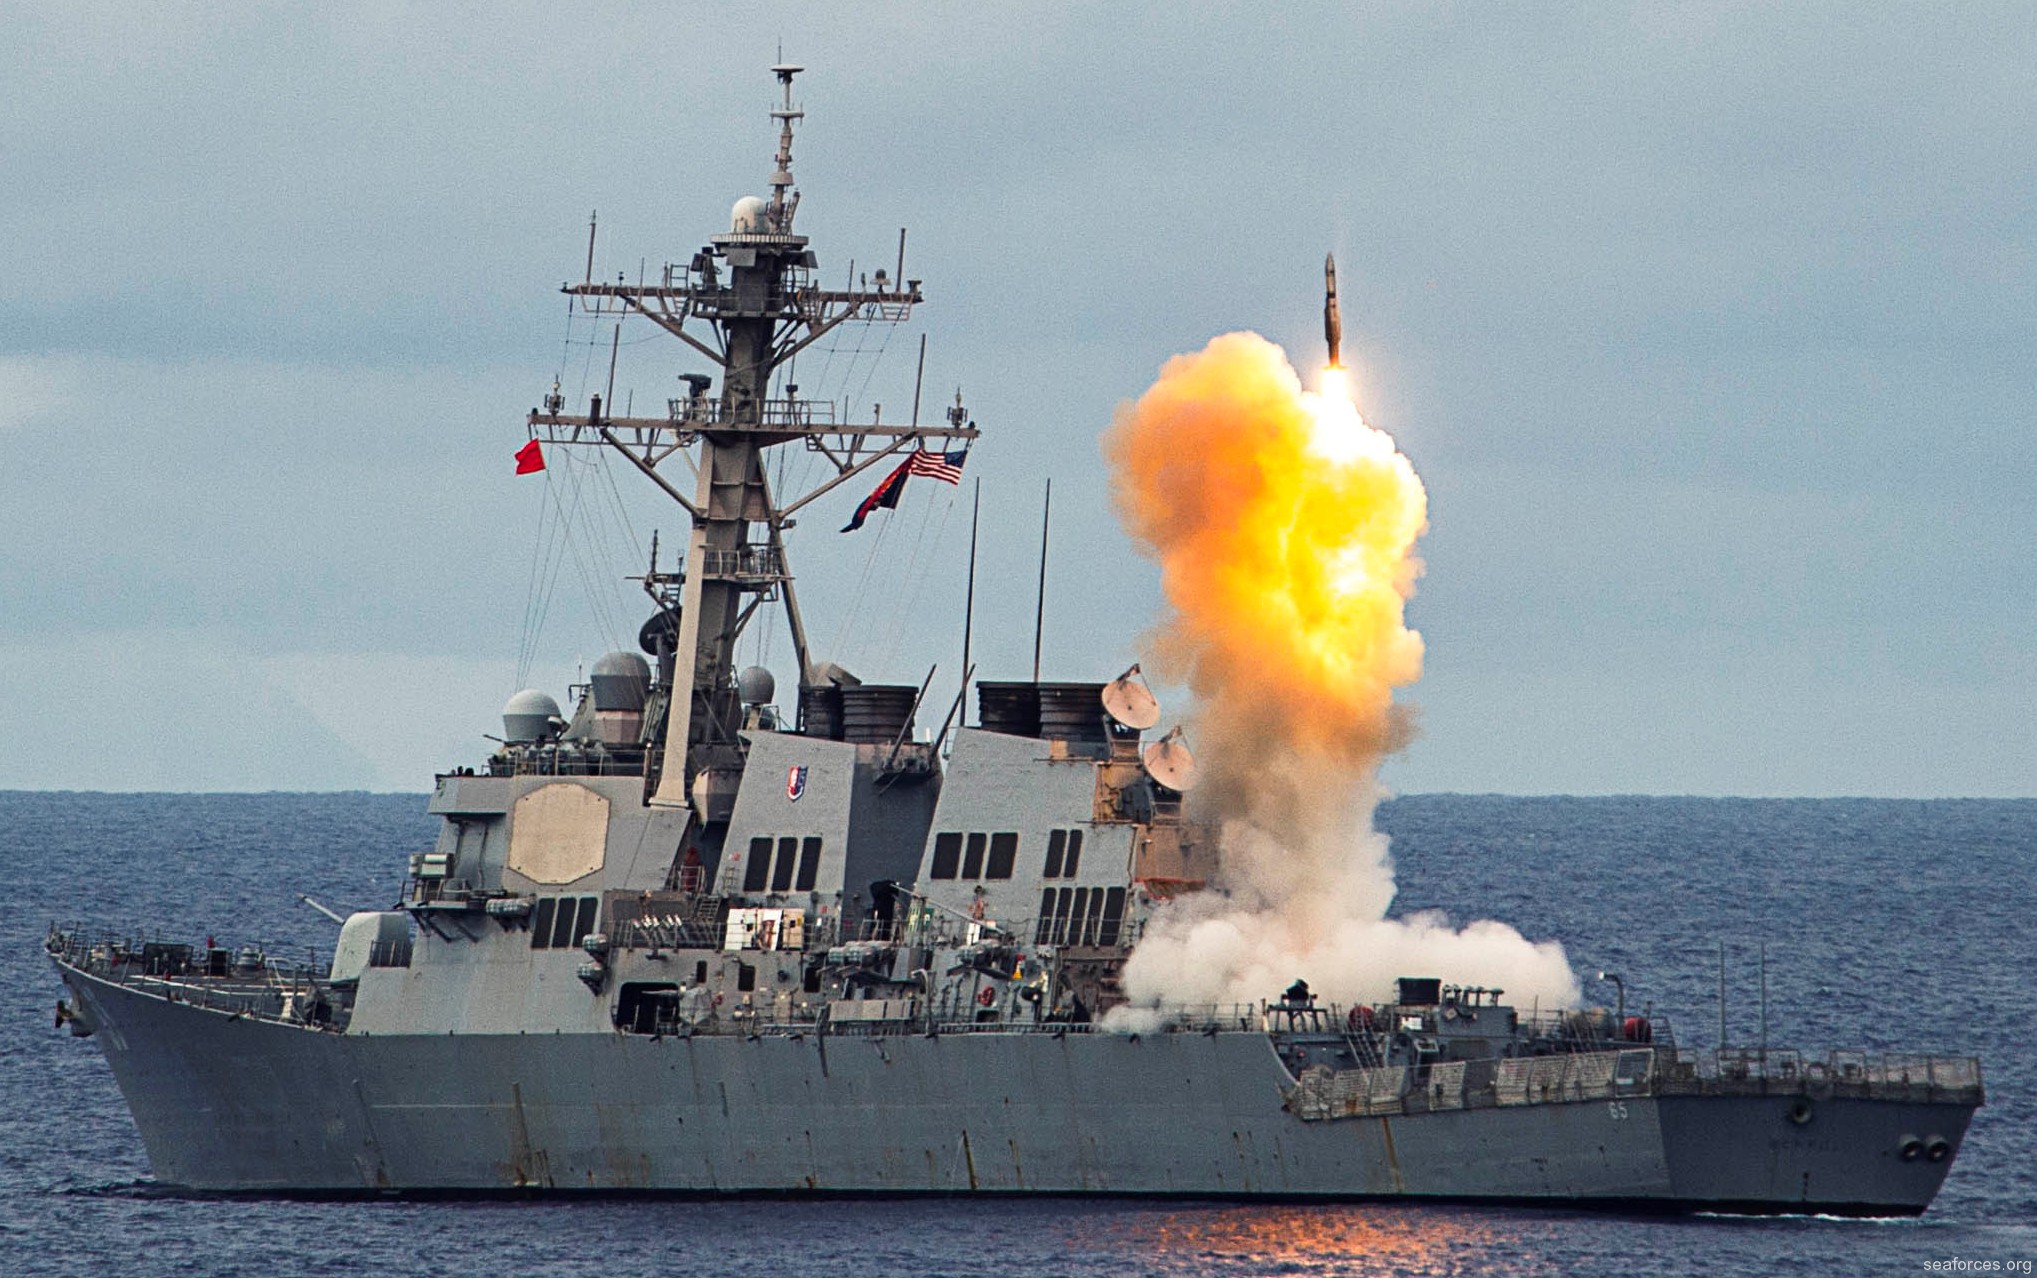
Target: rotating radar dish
{"points": [[1128, 700], [1169, 762], [660, 633]]}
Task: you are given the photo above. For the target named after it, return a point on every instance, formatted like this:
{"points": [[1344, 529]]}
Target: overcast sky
{"points": [[1709, 328]]}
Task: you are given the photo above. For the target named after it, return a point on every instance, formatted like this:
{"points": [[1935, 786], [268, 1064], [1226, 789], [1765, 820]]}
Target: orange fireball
{"points": [[1285, 529], [1285, 526]]}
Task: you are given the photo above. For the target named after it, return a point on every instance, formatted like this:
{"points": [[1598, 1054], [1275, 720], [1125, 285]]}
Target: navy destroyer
{"points": [[673, 938]]}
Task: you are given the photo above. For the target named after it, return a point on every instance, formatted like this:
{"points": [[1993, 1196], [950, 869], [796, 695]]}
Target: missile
{"points": [[1333, 320]]}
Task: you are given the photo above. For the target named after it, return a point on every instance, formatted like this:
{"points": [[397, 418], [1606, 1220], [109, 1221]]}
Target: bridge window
{"points": [[809, 865], [782, 865], [975, 855], [1113, 916], [759, 868], [947, 853], [1003, 856], [562, 924], [781, 874], [1064, 854], [1076, 914]]}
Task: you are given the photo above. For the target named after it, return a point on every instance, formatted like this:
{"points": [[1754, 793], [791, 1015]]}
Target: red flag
{"points": [[530, 458], [884, 497]]}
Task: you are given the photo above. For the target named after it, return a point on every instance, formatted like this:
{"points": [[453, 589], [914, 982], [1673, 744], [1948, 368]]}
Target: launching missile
{"points": [[1333, 321]]}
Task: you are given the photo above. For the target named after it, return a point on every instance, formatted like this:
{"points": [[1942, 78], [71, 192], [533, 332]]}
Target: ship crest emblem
{"points": [[795, 782]]}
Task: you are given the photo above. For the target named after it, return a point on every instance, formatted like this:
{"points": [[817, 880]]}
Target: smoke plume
{"points": [[1285, 526]]}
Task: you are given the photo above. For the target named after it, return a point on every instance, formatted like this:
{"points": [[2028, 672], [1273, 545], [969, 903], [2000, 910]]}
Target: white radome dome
{"points": [[756, 686], [528, 716], [747, 217], [620, 681]]}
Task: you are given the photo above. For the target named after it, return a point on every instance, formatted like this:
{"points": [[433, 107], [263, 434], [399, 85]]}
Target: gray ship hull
{"points": [[229, 1104]]}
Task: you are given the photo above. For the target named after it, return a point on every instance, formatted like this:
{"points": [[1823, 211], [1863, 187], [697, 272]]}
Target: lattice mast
{"points": [[751, 321]]}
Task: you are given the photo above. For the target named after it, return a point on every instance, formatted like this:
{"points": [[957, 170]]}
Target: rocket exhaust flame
{"points": [[1285, 527]]}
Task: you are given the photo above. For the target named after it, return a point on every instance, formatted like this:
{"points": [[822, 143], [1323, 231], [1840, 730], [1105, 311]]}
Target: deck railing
{"points": [[1755, 1071], [299, 994], [282, 992], [1635, 1072]]}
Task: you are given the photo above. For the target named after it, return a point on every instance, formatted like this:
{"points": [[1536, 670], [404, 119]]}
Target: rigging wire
{"points": [[570, 517], [604, 595], [876, 362], [525, 643], [590, 523], [812, 463], [635, 542], [612, 544], [855, 355], [537, 586], [916, 572], [829, 362], [560, 542], [552, 550], [580, 524], [844, 638], [587, 369]]}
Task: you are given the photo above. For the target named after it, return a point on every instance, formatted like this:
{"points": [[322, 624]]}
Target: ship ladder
{"points": [[1364, 1049]]}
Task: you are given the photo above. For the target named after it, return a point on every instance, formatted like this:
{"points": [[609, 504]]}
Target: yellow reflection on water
{"points": [[1332, 1239]]}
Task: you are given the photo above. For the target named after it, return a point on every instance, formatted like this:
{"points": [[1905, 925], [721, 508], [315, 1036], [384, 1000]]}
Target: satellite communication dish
{"points": [[1132, 704], [1169, 762]]}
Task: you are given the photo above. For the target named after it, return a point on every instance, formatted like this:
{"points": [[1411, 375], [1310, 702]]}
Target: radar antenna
{"points": [[781, 176], [747, 302], [1131, 703], [1169, 762]]}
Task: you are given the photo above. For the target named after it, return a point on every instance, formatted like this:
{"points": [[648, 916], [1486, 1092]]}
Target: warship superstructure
{"points": [[680, 939]]}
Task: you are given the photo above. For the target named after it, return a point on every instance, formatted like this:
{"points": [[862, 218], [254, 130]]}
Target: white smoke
{"points": [[1285, 528], [1317, 908]]}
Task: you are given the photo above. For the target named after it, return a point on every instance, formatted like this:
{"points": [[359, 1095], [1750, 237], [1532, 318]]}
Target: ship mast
{"points": [[762, 313]]}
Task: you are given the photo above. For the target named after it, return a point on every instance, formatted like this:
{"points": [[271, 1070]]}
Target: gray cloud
{"points": [[1708, 328]]}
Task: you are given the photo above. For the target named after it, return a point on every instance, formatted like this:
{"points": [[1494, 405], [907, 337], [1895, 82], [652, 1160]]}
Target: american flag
{"points": [[946, 467]]}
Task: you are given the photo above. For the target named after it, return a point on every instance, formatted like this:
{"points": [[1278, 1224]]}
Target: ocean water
{"points": [[1890, 925]]}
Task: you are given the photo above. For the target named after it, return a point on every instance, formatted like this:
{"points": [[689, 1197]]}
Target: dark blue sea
{"points": [[1893, 925]]}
